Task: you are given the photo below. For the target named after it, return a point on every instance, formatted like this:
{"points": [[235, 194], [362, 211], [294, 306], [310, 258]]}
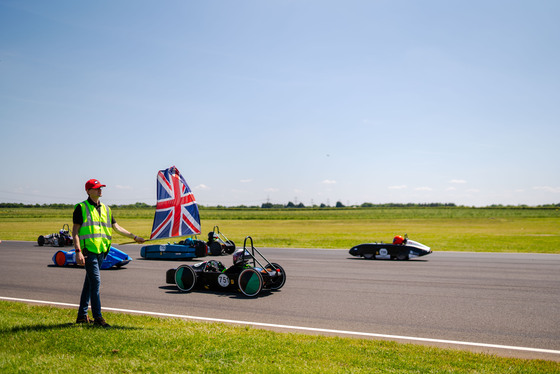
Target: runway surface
{"points": [[493, 300]]}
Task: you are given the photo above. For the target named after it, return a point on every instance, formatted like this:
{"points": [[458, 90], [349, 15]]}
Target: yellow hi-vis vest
{"points": [[96, 231]]}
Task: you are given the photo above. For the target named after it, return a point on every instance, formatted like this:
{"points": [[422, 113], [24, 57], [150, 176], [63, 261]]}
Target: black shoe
{"points": [[83, 319], [101, 322]]}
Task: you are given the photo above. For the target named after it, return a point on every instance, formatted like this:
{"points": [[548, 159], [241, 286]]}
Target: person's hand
{"points": [[80, 259], [139, 239]]}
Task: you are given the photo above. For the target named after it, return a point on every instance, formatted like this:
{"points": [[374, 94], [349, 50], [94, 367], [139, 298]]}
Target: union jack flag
{"points": [[176, 209]]}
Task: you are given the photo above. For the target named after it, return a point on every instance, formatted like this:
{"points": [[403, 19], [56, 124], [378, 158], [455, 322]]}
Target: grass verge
{"points": [[527, 235], [44, 339]]}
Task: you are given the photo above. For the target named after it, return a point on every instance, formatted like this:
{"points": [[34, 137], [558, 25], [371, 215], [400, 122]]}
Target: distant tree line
{"points": [[339, 204], [66, 206], [289, 205]]}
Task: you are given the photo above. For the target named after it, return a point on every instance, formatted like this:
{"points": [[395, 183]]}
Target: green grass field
{"points": [[529, 230], [39, 339]]}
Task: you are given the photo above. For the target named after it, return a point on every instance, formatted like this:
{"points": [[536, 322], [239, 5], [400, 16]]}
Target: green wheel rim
{"points": [[185, 278], [250, 282]]}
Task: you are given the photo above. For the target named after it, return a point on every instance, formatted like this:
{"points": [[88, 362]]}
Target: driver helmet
{"points": [[398, 240], [241, 256]]}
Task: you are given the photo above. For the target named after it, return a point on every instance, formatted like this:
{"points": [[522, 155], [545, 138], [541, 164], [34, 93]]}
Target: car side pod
{"points": [[185, 249], [63, 258], [115, 257], [250, 281]]}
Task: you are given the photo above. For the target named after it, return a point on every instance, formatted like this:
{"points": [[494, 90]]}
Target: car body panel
{"points": [[388, 251], [213, 275], [115, 257], [184, 250]]}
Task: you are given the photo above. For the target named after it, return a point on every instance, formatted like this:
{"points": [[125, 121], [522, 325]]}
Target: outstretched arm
{"points": [[127, 233]]}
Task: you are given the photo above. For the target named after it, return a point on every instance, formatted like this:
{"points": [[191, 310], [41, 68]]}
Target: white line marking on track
{"points": [[302, 328]]}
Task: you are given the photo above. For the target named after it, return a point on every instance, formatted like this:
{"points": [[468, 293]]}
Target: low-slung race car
{"points": [[402, 248], [250, 273], [57, 239], [184, 250], [115, 258]]}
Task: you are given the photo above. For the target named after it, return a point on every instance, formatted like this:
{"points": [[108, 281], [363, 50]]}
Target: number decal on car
{"points": [[223, 280]]}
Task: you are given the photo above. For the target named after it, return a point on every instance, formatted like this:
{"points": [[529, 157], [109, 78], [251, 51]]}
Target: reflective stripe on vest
{"points": [[96, 230]]}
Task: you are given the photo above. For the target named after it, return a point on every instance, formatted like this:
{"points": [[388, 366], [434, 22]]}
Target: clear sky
{"points": [[310, 101]]}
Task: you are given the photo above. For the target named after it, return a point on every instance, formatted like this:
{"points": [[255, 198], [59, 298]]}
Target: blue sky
{"points": [[304, 101]]}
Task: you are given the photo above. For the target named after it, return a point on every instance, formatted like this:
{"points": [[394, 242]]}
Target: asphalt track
{"points": [[503, 304]]}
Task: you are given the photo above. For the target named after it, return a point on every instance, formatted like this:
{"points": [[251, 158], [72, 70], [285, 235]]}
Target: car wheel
{"points": [[230, 247], [200, 249], [185, 278], [279, 279], [402, 256], [368, 256], [215, 249], [250, 282], [41, 241]]}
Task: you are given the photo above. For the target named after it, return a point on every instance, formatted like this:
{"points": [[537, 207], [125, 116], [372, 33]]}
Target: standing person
{"points": [[92, 233]]}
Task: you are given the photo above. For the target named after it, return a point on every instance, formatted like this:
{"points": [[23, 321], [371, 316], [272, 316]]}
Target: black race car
{"points": [[218, 244], [402, 248], [250, 273], [59, 239]]}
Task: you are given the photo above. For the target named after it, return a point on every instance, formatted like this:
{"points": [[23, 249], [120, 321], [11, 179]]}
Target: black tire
{"points": [[403, 256], [61, 241], [170, 276], [185, 278], [369, 256], [200, 249], [278, 280], [41, 241], [250, 282], [230, 247], [215, 249]]}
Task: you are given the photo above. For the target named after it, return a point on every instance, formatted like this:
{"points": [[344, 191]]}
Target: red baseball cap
{"points": [[93, 183]]}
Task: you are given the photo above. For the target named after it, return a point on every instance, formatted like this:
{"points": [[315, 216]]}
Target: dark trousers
{"points": [[92, 284]]}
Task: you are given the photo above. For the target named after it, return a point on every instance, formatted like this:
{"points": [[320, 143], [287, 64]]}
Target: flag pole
{"points": [[134, 242], [169, 237]]}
